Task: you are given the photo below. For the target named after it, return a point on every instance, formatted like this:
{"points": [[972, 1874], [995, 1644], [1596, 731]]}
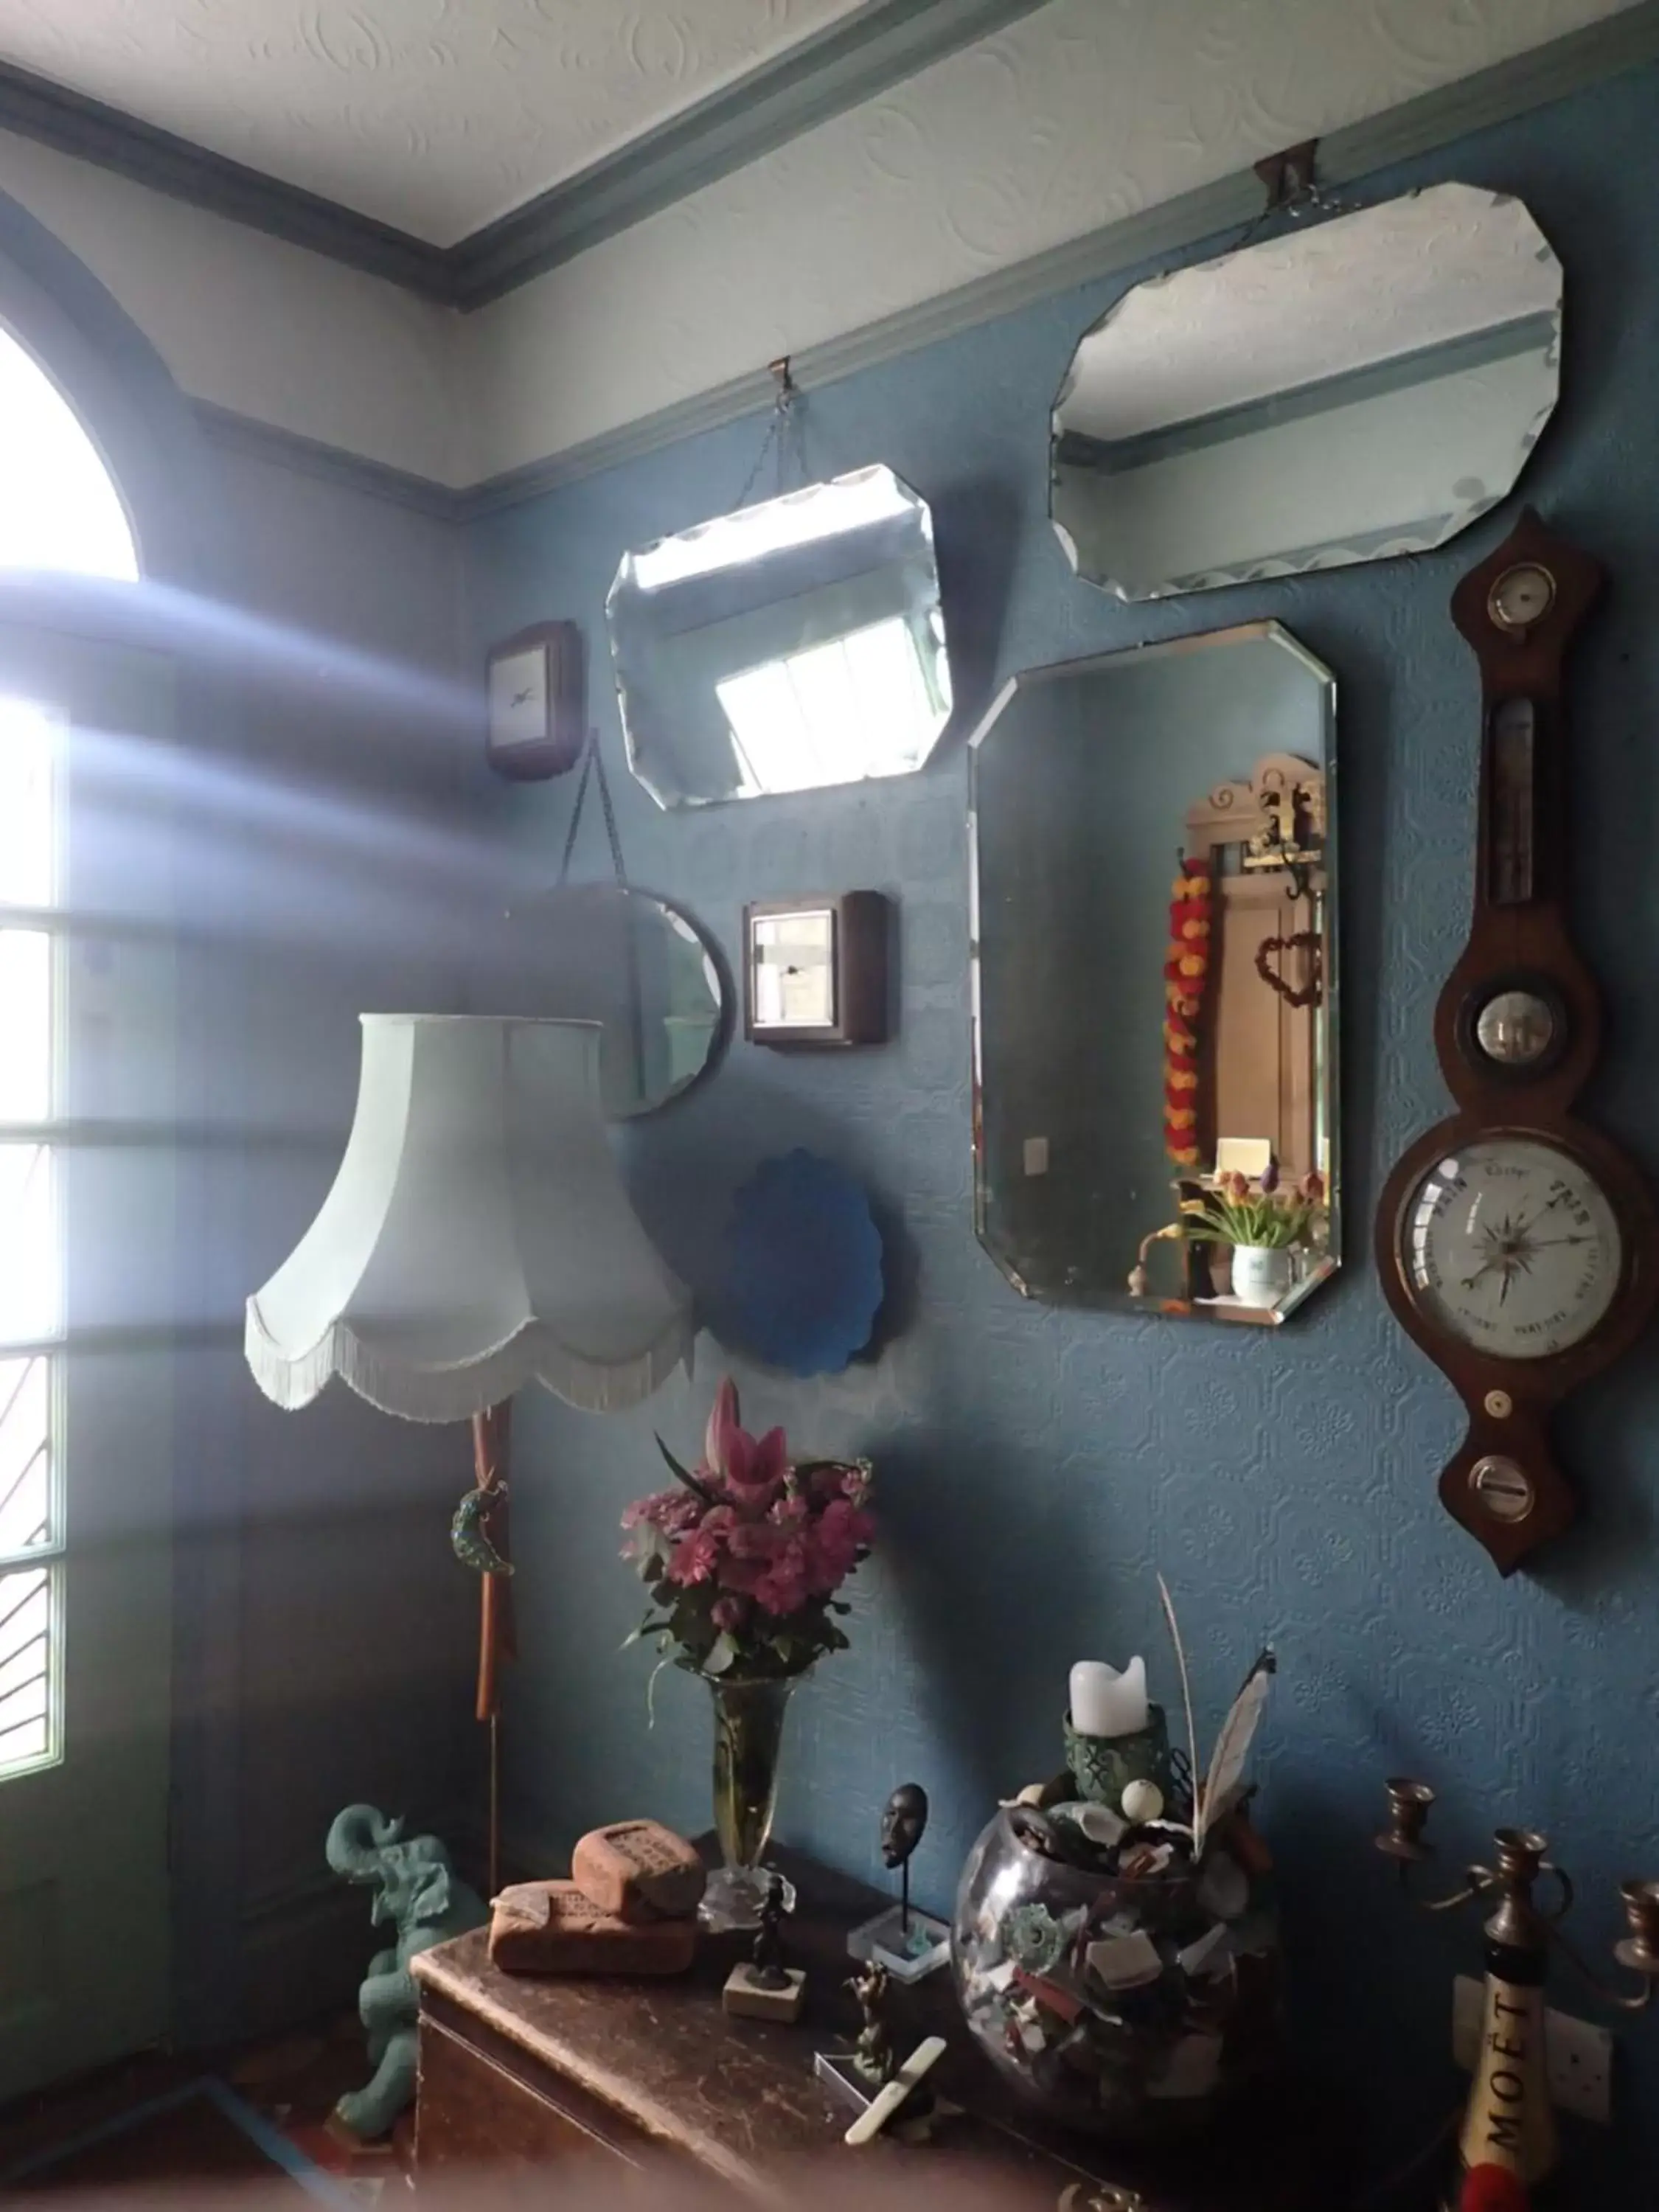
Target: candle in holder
{"points": [[1107, 1703]]}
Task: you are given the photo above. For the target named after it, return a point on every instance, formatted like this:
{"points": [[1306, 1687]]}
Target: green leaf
{"points": [[684, 1474], [721, 1654], [648, 1627]]}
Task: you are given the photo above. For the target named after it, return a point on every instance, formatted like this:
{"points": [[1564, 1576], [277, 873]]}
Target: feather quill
{"points": [[1232, 1746], [1187, 1700]]}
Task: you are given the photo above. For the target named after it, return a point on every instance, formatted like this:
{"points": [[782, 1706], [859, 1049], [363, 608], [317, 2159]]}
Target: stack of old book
{"points": [[630, 1907]]}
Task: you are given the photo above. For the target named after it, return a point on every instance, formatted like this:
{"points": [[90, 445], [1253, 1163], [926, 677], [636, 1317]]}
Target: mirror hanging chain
{"points": [[786, 429], [592, 765], [1293, 189]]}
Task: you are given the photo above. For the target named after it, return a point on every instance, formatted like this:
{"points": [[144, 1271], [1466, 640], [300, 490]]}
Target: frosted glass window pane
{"points": [[58, 508], [29, 1301], [836, 713], [27, 1674], [26, 1493], [25, 1025], [27, 843]]}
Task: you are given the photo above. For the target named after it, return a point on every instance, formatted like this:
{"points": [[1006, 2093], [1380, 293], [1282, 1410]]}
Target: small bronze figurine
{"points": [[766, 1968], [873, 2052], [762, 1987]]}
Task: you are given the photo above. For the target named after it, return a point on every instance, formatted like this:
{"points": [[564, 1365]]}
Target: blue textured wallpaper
{"points": [[1036, 1467]]}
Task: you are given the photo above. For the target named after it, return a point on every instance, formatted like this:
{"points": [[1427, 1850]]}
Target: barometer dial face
{"points": [[1510, 1245]]}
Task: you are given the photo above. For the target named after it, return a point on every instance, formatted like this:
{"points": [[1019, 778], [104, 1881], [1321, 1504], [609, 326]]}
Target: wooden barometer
{"points": [[1517, 1247]]}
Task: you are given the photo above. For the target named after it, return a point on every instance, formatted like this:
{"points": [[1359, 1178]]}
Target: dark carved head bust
{"points": [[902, 1821]]}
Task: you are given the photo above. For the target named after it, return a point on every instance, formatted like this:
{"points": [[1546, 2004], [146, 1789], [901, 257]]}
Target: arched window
{"points": [[59, 511], [58, 505]]}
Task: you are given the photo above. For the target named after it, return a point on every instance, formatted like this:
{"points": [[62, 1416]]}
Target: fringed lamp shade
{"points": [[478, 1235]]}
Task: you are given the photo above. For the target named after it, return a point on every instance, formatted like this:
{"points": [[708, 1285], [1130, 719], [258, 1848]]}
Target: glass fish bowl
{"points": [[1132, 2004]]}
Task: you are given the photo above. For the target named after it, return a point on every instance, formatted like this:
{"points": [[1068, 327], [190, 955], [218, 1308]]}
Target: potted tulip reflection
{"points": [[1265, 1222]]}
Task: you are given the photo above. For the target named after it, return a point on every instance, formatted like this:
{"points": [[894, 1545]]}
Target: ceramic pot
{"points": [[749, 1718], [1103, 1767], [1262, 1272]]}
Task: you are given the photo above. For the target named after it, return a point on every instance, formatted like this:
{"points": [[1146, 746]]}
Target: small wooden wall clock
{"points": [[1516, 1246]]}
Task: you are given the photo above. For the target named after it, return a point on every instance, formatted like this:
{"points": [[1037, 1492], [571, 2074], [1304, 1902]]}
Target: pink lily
{"points": [[752, 1468]]}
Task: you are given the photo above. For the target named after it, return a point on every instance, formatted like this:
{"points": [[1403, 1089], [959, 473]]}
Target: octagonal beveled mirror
{"points": [[791, 645], [1154, 956], [1357, 387]]}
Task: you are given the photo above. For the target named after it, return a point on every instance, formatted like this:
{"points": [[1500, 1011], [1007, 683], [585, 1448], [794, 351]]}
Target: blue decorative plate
{"points": [[803, 1285]]}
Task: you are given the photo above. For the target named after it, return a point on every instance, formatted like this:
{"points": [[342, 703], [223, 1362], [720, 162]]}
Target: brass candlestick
{"points": [[1509, 2122]]}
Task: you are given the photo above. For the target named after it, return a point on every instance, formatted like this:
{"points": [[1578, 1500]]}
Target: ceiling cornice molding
{"points": [[233, 432], [72, 122], [863, 54], [1606, 49], [854, 60]]}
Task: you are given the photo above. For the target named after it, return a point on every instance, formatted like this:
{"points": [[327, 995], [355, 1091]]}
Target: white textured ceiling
{"points": [[435, 115]]}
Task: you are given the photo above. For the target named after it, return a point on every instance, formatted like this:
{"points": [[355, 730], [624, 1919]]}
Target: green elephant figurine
{"points": [[421, 1896]]}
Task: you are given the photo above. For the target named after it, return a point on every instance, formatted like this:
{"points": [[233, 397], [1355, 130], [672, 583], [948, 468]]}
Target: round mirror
{"points": [[632, 961]]}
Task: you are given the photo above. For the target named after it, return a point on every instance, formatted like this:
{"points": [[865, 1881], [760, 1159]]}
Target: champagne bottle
{"points": [[1509, 2124]]}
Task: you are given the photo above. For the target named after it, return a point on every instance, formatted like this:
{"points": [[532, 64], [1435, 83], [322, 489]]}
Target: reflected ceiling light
{"points": [[815, 511]]}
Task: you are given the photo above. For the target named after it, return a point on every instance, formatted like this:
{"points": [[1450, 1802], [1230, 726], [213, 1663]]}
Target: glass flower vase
{"points": [[749, 1717]]}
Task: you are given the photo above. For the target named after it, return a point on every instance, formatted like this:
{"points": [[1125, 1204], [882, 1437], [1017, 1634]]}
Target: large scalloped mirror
{"points": [[1362, 387]]}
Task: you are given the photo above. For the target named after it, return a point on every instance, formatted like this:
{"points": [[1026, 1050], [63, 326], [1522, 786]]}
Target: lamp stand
{"points": [[497, 1640]]}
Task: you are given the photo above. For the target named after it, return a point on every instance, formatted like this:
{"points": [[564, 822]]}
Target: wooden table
{"points": [[524, 2071]]}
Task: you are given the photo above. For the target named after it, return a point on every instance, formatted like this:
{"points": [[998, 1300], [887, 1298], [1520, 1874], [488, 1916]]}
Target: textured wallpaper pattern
{"points": [[1036, 1467]]}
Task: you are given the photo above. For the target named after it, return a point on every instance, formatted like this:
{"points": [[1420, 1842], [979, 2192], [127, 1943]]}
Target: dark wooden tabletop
{"points": [[739, 2096]]}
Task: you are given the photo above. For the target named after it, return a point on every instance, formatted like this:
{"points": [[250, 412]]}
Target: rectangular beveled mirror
{"points": [[1155, 1042]]}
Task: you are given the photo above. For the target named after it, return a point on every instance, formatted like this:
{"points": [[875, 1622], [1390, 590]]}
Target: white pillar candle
{"points": [[1105, 1702]]}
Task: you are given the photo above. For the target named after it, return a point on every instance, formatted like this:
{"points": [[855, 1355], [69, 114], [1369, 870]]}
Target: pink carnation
{"points": [[695, 1557], [781, 1590], [728, 1615], [671, 1510], [740, 1575], [835, 1480], [758, 1540]]}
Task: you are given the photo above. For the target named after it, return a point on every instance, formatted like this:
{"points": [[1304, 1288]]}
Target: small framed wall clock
{"points": [[816, 971], [1517, 1245], [537, 703]]}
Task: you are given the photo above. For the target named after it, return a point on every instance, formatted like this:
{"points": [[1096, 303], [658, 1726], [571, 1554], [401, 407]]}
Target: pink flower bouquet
{"points": [[744, 1556]]}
